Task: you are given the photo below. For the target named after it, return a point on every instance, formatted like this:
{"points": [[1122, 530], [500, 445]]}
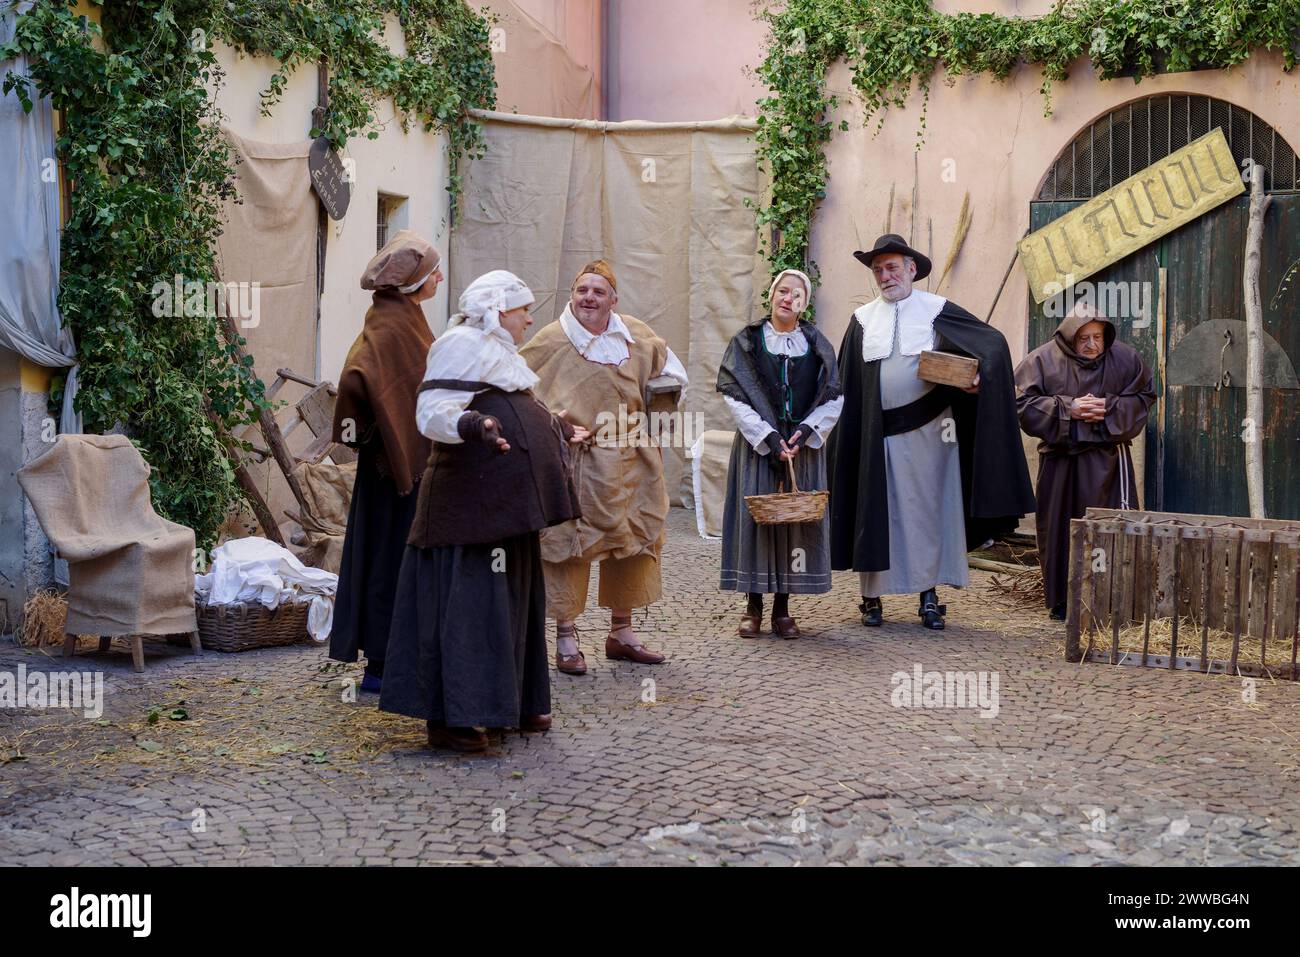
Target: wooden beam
{"points": [[1254, 344]]}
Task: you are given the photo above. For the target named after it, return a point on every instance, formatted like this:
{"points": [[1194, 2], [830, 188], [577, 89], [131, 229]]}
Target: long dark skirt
{"points": [[771, 559], [468, 647], [378, 522]]}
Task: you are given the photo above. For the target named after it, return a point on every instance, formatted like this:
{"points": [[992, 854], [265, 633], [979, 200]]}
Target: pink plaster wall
{"points": [[678, 60]]}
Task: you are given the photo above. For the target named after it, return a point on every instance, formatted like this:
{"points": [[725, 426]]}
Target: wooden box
{"points": [[944, 368]]}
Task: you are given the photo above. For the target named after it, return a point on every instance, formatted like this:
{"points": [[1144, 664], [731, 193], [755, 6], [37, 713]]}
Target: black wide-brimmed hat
{"points": [[893, 243]]}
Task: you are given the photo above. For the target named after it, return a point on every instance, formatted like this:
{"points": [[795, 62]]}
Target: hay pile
{"points": [[44, 615], [209, 722], [1218, 643], [1023, 589]]}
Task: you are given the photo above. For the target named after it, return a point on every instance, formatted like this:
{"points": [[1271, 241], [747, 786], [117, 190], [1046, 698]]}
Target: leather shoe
{"points": [[751, 626], [571, 664], [873, 612], [535, 724], [785, 627], [1058, 612], [575, 664], [615, 650], [464, 740], [931, 611]]}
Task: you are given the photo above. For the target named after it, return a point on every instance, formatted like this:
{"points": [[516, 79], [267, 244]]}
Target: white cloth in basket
{"points": [[256, 569]]}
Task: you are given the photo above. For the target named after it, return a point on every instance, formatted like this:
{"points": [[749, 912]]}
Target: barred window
{"points": [[1132, 137]]}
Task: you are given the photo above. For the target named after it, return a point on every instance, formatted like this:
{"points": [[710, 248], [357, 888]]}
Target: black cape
{"points": [[995, 482]]}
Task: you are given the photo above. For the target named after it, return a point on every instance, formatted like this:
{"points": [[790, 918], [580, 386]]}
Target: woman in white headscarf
{"points": [[468, 648], [780, 379]]}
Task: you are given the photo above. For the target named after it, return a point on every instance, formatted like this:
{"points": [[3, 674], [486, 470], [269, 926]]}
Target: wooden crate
{"points": [[945, 368], [1189, 575]]}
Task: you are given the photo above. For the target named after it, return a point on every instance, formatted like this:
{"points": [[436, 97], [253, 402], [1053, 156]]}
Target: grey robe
{"points": [[927, 530]]}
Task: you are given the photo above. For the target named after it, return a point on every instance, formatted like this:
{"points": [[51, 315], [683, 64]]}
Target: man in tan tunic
{"points": [[596, 365]]}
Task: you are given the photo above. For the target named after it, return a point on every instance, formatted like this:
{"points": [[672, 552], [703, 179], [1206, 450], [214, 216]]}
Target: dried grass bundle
{"points": [[1023, 588], [44, 615], [963, 227], [1218, 643]]}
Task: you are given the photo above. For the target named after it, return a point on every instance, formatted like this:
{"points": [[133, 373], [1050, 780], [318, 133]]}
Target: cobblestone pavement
{"points": [[765, 752]]}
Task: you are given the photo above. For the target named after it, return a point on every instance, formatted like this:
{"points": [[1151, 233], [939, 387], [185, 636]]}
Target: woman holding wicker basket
{"points": [[780, 379]]}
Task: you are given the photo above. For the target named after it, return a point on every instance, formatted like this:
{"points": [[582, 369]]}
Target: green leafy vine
{"points": [[149, 170], [895, 46]]}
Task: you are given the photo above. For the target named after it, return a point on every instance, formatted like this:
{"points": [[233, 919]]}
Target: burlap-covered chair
{"points": [[130, 571]]}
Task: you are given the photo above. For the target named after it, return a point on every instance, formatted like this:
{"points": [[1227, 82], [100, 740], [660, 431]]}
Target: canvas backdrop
{"points": [[664, 203]]}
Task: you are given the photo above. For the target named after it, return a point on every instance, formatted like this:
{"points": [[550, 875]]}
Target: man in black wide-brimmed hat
{"points": [[920, 473]]}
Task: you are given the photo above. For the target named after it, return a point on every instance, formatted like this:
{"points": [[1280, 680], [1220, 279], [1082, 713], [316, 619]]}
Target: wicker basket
{"points": [[787, 508], [246, 626]]}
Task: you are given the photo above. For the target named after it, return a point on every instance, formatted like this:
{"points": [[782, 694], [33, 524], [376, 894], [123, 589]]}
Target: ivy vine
{"points": [[150, 170], [895, 46]]}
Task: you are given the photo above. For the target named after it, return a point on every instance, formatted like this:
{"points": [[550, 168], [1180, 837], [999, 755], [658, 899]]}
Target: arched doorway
{"points": [[1194, 333]]}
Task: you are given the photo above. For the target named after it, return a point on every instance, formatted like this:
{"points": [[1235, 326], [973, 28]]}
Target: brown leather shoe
{"points": [[751, 626], [615, 650], [464, 740], [785, 627], [569, 664], [535, 724]]}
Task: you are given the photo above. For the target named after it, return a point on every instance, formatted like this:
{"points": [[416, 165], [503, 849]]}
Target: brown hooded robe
{"points": [[375, 413], [1080, 464]]}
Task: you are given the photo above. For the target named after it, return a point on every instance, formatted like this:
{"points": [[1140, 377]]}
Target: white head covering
{"points": [[799, 304], [407, 290], [491, 294]]}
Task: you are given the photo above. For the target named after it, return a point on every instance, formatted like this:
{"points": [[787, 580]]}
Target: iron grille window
{"points": [[391, 218], [381, 225], [1131, 138]]}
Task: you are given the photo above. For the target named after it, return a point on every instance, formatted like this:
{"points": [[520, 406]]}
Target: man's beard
{"points": [[896, 293]]}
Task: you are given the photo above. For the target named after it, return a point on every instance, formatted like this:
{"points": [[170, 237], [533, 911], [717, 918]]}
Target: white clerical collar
{"points": [[915, 318], [607, 348]]}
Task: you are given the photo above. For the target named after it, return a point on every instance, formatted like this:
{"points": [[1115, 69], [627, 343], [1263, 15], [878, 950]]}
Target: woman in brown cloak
{"points": [[375, 413], [1085, 396]]}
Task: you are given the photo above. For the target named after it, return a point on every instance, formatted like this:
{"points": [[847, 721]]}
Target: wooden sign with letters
{"points": [[1184, 185], [329, 178]]}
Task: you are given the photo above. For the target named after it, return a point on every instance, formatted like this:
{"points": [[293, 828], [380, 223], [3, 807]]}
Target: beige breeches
{"points": [[624, 583]]}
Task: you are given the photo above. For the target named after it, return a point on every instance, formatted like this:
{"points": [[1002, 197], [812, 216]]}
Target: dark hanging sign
{"points": [[328, 178]]}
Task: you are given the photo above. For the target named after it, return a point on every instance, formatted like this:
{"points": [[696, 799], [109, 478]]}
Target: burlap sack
{"points": [[328, 489], [131, 572]]}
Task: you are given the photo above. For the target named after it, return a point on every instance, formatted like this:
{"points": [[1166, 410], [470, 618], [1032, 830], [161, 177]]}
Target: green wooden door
{"points": [[1198, 464]]}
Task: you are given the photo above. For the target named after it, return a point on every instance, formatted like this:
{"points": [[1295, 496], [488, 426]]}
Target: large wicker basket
{"points": [[787, 508], [246, 626]]}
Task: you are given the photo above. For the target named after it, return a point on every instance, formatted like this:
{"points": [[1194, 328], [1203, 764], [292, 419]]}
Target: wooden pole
{"points": [[322, 217], [270, 428], [1254, 427], [1162, 397], [1015, 254], [256, 500]]}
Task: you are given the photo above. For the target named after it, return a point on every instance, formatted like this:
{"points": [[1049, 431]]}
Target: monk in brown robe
{"points": [[1085, 396]]}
